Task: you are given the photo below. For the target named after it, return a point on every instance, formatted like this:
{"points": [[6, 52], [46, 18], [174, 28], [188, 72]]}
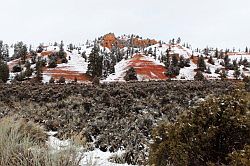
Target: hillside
{"points": [[152, 60]]}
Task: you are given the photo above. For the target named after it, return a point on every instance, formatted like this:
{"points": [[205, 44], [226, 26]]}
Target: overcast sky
{"points": [[221, 23]]}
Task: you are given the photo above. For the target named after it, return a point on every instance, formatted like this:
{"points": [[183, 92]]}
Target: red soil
{"points": [[147, 68], [56, 73], [46, 53]]}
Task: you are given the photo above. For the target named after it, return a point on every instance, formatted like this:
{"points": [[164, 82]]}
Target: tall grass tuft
{"points": [[24, 144]]}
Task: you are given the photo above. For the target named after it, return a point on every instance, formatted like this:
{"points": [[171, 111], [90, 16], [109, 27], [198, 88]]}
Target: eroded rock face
{"points": [[110, 116]]}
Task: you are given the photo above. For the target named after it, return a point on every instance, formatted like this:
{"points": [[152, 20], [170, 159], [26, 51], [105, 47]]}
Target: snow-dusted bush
{"points": [[206, 134]]}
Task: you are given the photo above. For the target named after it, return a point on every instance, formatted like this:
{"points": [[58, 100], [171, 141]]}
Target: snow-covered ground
{"points": [[93, 158]]}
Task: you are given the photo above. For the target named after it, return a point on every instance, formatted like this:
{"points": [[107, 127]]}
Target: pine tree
{"points": [[130, 75], [201, 63], [226, 61], [199, 76], [182, 62], [210, 60], [95, 63], [236, 73], [174, 60], [216, 54], [4, 71], [39, 65], [246, 50], [1, 50], [223, 74]]}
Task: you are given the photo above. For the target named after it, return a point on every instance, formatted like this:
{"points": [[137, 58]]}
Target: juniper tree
{"points": [[210, 60], [182, 62], [199, 76], [1, 50], [95, 63], [201, 63], [4, 71], [174, 60], [130, 75]]}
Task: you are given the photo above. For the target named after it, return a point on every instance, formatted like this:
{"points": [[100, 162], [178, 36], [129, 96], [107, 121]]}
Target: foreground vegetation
{"points": [[23, 143], [216, 132], [123, 116]]}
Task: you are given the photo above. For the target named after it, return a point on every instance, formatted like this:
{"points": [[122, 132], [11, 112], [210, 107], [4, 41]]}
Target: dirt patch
{"points": [[67, 74], [147, 69]]}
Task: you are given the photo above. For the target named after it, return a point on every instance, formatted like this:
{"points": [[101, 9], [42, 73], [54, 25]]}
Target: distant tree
{"points": [[28, 71], [39, 66], [20, 51], [33, 55], [61, 53], [216, 54], [130, 75], [172, 71], [52, 80], [61, 80], [71, 47], [1, 50], [210, 60], [84, 56], [226, 61], [95, 63], [208, 71], [40, 48], [201, 63], [52, 61], [199, 76], [246, 50], [16, 68], [223, 74], [236, 73], [175, 60], [178, 41], [4, 71], [182, 62]]}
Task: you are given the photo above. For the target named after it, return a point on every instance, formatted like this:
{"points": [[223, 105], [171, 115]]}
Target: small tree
{"points": [[199, 76], [61, 80], [4, 71], [52, 80], [236, 73], [130, 75], [201, 63]]}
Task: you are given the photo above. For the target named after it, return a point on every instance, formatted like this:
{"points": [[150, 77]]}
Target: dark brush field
{"points": [[110, 116]]}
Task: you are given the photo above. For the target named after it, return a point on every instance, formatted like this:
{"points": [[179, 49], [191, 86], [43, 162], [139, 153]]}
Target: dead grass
{"points": [[23, 143]]}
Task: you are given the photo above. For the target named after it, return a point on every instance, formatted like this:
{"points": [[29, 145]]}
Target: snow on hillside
{"points": [[75, 68]]}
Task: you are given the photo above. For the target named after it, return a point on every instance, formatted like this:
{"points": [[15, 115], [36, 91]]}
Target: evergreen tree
{"points": [[246, 50], [130, 75], [182, 62], [226, 61], [223, 75], [95, 63], [174, 60], [216, 55], [236, 73], [4, 71], [201, 63], [210, 60], [1, 50], [199, 76], [39, 65], [52, 61]]}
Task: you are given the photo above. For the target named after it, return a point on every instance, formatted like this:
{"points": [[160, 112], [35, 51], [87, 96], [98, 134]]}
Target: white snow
{"points": [[95, 157]]}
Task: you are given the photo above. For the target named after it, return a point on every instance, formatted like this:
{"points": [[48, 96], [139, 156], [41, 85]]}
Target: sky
{"points": [[213, 23]]}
